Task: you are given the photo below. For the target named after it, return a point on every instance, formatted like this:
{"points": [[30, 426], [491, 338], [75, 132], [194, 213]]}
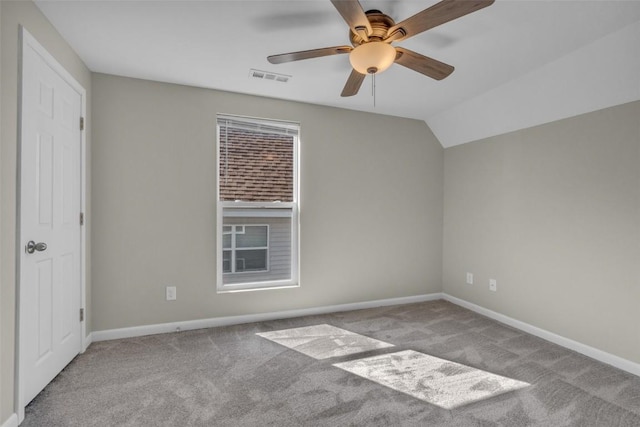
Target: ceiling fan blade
{"points": [[354, 15], [445, 11], [308, 54], [423, 64], [353, 83]]}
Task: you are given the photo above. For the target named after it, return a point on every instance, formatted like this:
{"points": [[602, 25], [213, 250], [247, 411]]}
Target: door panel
{"points": [[44, 300], [69, 318], [44, 191]]}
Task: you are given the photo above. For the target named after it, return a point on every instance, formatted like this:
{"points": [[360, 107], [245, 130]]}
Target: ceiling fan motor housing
{"points": [[380, 24]]}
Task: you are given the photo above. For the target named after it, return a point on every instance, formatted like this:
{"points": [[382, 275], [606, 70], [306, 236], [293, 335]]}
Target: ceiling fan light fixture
{"points": [[372, 57]]}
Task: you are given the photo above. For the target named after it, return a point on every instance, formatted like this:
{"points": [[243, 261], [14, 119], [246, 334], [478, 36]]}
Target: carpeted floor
{"points": [[324, 341], [437, 381], [232, 377]]}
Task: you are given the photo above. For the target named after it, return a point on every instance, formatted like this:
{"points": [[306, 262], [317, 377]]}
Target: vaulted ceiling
{"points": [[517, 63]]}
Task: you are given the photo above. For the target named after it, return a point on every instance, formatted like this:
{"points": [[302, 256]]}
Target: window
{"points": [[257, 215]]}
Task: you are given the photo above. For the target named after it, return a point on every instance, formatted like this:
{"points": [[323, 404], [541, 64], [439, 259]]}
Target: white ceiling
{"points": [[518, 63]]}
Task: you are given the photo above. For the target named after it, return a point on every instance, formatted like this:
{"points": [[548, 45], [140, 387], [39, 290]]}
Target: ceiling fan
{"points": [[372, 32]]}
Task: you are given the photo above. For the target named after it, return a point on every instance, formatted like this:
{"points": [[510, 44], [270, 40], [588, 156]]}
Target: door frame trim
{"points": [[27, 41]]}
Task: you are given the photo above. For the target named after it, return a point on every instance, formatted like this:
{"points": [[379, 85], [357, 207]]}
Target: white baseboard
{"points": [[594, 353], [12, 421], [164, 328]]}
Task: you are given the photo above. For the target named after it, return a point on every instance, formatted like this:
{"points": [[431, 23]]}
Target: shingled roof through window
{"points": [[255, 166]]}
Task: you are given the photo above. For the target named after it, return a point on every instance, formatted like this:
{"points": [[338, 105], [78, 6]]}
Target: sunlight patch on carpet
{"points": [[437, 381], [324, 341]]}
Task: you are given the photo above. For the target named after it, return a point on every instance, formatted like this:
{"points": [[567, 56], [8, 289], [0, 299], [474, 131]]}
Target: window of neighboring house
{"points": [[257, 215], [245, 248]]}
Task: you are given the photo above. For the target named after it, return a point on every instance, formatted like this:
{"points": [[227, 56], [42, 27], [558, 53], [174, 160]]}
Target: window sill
{"points": [[254, 287]]}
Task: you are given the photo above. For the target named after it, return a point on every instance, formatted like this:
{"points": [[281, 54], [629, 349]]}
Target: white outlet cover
{"points": [[171, 293], [493, 285], [469, 278]]}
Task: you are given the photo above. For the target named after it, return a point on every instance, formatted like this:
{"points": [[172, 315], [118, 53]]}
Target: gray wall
{"points": [[12, 15], [553, 214], [371, 191]]}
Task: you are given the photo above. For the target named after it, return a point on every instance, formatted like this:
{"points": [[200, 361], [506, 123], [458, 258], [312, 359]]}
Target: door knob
{"points": [[33, 246]]}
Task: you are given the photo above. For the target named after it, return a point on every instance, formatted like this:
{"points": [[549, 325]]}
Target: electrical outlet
{"points": [[469, 278], [493, 285], [171, 293]]}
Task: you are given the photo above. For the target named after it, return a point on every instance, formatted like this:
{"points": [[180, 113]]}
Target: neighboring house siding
{"points": [[279, 250]]}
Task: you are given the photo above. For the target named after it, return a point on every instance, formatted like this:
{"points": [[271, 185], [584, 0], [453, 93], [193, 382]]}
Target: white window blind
{"points": [[259, 125]]}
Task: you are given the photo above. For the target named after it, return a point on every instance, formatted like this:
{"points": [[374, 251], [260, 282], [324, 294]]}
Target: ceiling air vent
{"points": [[266, 75]]}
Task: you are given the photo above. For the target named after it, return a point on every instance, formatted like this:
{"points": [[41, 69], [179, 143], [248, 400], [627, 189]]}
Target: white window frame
{"points": [[272, 209], [234, 248]]}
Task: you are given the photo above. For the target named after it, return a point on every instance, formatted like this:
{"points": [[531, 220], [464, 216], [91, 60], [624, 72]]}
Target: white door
{"points": [[50, 188]]}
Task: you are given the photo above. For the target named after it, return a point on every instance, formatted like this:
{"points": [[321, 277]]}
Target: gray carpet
{"points": [[231, 377], [434, 380], [437, 381], [324, 341]]}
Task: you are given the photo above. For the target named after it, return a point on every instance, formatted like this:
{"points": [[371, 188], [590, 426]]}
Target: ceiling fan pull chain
{"points": [[373, 89]]}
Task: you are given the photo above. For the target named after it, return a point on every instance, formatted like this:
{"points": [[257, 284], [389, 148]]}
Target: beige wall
{"points": [[552, 213], [370, 205], [13, 14], [2, 385]]}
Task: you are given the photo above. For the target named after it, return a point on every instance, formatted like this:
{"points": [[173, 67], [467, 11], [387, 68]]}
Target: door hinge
{"points": [[81, 123], [81, 218], [82, 314]]}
